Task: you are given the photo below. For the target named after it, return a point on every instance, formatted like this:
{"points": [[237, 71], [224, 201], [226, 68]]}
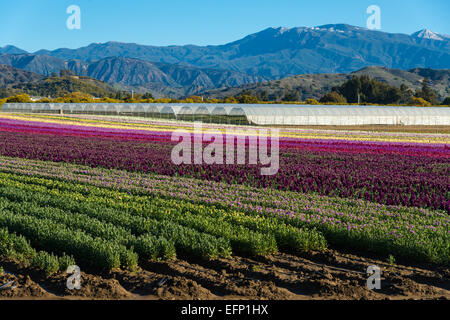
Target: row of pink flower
{"points": [[330, 145], [187, 125]]}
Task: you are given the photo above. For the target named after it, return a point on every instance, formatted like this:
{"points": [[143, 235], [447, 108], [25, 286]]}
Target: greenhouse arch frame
{"points": [[263, 114]]}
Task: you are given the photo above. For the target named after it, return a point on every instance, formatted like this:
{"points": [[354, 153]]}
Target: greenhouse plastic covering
{"points": [[264, 114]]}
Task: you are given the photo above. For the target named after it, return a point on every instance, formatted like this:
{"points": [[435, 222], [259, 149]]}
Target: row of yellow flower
{"points": [[168, 126]]}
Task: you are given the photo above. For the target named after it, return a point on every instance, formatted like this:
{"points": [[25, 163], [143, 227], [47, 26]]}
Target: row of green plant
{"points": [[147, 246], [410, 233], [186, 240], [55, 237], [148, 239], [294, 233], [248, 234], [18, 248], [405, 232]]}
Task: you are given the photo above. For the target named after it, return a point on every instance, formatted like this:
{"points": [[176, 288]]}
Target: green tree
{"points": [[406, 94], [263, 95], [128, 97], [147, 95], [365, 89], [333, 97], [426, 92], [247, 99], [230, 100], [5, 93], [421, 102], [118, 95], [311, 101], [350, 89], [76, 97], [66, 73], [292, 96], [20, 98], [446, 102]]}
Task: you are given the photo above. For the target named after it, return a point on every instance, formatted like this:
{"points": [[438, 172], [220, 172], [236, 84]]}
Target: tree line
{"points": [[357, 90], [364, 89]]}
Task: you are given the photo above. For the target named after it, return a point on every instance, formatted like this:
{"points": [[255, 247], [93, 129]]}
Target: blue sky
{"points": [[41, 24]]}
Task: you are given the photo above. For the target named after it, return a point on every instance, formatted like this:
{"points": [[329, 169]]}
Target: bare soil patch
{"points": [[330, 275]]}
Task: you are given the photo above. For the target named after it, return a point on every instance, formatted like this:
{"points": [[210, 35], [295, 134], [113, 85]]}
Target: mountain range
{"points": [[271, 54], [127, 73]]}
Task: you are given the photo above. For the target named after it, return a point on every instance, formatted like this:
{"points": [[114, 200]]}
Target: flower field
{"points": [[105, 194]]}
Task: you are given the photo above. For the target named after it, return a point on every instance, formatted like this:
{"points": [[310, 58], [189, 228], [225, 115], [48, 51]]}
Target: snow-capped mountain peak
{"points": [[428, 34]]}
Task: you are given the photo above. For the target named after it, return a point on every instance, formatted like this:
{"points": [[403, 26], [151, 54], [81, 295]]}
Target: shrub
{"points": [[66, 261], [20, 98], [230, 100], [17, 247], [247, 99], [44, 100], [333, 97], [45, 261], [420, 102], [152, 248], [311, 101]]}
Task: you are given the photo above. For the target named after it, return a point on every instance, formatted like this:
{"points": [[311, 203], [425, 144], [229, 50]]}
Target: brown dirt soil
{"points": [[329, 275]]}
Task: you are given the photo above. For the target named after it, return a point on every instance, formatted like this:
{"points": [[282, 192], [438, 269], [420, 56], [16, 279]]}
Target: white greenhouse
{"points": [[265, 114]]}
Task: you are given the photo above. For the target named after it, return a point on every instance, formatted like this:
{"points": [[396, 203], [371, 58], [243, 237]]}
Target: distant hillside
{"points": [[314, 86], [10, 75], [59, 86], [161, 79], [194, 80], [11, 50], [43, 65], [276, 53]]}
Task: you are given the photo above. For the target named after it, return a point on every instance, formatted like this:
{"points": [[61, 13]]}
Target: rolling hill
{"points": [[315, 86], [59, 86], [15, 81], [44, 65], [10, 76], [161, 79]]}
